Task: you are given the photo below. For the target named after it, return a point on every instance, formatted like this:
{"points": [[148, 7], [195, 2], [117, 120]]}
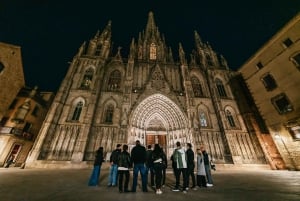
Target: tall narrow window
{"points": [[197, 88], [203, 119], [220, 88], [230, 118], [87, 78], [77, 111], [152, 51], [109, 114], [282, 104], [287, 42], [269, 82], [98, 50], [259, 65], [114, 81]]}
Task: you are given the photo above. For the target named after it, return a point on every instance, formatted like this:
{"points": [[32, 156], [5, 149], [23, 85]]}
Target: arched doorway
{"points": [[158, 119]]}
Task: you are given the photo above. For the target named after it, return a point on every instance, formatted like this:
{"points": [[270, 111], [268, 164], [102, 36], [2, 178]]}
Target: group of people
{"points": [[154, 162]]}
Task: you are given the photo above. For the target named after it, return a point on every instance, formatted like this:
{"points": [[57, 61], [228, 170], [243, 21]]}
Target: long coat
{"points": [[200, 164]]}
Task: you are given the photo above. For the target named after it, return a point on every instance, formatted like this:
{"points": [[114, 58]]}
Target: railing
{"points": [[16, 132]]}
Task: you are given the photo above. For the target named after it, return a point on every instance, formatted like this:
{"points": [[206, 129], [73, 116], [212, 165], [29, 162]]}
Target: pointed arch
{"points": [[114, 81], [203, 115], [153, 51], [231, 117], [109, 111], [76, 109], [220, 88], [87, 78], [197, 88]]}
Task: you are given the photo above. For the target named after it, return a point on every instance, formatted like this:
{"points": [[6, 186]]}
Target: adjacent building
{"points": [[272, 75], [11, 75]]}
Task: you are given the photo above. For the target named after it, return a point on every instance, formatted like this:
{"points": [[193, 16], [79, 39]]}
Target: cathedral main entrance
{"points": [[157, 119]]}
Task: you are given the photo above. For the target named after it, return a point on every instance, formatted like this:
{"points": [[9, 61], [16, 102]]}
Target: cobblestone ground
{"points": [[71, 185]]}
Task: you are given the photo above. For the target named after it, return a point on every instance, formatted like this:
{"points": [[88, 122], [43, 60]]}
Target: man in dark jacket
{"points": [[124, 163], [113, 173], [149, 166], [138, 158], [190, 166]]}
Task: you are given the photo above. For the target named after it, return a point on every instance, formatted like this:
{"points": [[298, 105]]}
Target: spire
{"points": [[150, 27], [181, 54], [106, 34], [198, 40], [132, 49]]}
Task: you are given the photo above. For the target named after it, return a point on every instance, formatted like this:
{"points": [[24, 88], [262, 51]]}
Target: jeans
{"points": [[158, 168], [208, 174], [140, 167], [178, 172], [150, 169], [123, 187], [113, 173], [190, 172], [95, 176]]}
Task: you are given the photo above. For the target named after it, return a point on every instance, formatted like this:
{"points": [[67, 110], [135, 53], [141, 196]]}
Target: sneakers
{"points": [[158, 191], [194, 188], [184, 191], [175, 190], [187, 188], [209, 185]]}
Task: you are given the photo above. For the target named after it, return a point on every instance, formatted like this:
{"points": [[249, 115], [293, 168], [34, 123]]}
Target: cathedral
{"points": [[149, 95]]}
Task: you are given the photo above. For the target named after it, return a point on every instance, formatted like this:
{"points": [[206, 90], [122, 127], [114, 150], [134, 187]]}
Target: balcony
{"points": [[16, 132]]}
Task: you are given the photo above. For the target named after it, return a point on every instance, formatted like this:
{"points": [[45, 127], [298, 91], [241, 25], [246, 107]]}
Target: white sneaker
{"points": [[158, 191], [209, 185]]}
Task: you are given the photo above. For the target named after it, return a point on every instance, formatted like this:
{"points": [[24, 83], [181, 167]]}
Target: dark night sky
{"points": [[51, 31]]}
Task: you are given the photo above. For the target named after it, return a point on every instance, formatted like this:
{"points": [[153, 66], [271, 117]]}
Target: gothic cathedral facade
{"points": [[149, 96]]}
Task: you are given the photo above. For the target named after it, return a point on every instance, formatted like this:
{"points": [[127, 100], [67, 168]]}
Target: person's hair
{"points": [[178, 144], [100, 150], [119, 145], [157, 148], [149, 146], [189, 145], [137, 142], [125, 147]]}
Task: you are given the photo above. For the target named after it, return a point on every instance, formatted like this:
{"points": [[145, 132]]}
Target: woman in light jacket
{"points": [[201, 174]]}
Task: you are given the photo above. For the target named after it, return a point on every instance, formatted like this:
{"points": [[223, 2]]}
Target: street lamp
{"points": [[279, 137]]}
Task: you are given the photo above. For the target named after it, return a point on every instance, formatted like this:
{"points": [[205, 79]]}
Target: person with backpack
{"points": [[157, 159], [149, 166], [124, 163]]}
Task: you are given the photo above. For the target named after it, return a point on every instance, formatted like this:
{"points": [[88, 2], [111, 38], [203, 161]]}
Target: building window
{"points": [[295, 132], [287, 42], [27, 127], [152, 51], [109, 114], [35, 111], [296, 60], [282, 104], [269, 82], [220, 88], [114, 81], [77, 111], [87, 78], [259, 65], [203, 119], [230, 118], [197, 88], [1, 67]]}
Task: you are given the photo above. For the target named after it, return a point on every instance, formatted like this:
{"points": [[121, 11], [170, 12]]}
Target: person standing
{"points": [[113, 171], [138, 158], [124, 163], [201, 180], [179, 156], [149, 166], [157, 159], [206, 159], [10, 161], [165, 165], [190, 166], [94, 179]]}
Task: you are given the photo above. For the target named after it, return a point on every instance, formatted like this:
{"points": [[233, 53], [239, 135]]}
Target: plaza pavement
{"points": [[71, 185]]}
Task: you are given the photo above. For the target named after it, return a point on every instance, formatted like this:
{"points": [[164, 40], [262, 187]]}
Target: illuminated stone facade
{"points": [[272, 75], [149, 96]]}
